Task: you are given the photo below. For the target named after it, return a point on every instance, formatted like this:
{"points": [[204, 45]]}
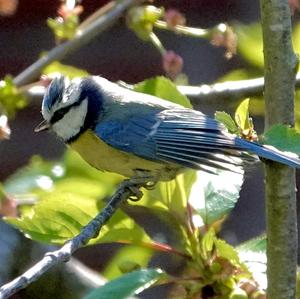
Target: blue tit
{"points": [[138, 135]]}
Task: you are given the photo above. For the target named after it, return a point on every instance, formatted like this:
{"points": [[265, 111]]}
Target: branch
{"points": [[63, 254], [230, 89], [280, 70], [218, 91], [82, 37]]}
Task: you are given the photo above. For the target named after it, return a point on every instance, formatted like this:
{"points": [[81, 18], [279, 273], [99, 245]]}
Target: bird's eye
{"points": [[59, 114]]}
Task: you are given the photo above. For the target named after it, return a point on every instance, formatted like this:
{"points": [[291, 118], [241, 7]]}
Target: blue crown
{"points": [[54, 92]]}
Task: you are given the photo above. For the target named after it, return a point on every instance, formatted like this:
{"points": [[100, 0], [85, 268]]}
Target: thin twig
{"points": [[63, 254], [190, 31], [205, 92], [81, 38], [229, 89]]}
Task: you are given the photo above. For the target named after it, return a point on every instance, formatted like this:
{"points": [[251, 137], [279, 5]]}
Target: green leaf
{"points": [[253, 254], [224, 250], [66, 29], [213, 196], [242, 115], [240, 74], [127, 256], [11, 100], [227, 121], [60, 216], [207, 243], [38, 174], [128, 285], [258, 244], [66, 70], [41, 175], [140, 19], [250, 44], [296, 37], [283, 138], [163, 88], [173, 222], [2, 194], [171, 196]]}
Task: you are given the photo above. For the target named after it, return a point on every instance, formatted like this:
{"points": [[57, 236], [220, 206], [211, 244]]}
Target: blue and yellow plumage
{"points": [[134, 134]]}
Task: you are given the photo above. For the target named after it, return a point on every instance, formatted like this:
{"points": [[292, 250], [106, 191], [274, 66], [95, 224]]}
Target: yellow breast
{"points": [[104, 157]]}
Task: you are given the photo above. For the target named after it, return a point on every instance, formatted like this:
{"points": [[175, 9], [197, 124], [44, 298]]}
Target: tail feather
{"points": [[269, 152]]}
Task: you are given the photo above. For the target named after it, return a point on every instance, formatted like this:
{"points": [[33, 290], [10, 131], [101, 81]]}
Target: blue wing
{"points": [[182, 136]]}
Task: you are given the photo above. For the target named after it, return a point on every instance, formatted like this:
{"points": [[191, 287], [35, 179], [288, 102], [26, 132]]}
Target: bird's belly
{"points": [[105, 157]]}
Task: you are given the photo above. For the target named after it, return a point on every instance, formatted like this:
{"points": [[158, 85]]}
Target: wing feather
{"points": [[182, 136]]}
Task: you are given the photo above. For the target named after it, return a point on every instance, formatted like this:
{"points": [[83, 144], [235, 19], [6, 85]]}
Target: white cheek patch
{"points": [[70, 124]]}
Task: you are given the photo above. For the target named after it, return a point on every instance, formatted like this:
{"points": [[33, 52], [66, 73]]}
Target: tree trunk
{"points": [[280, 69]]}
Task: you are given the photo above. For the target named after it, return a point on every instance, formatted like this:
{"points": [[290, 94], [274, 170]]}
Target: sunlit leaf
{"points": [[283, 138], [140, 19], [163, 88], [225, 250], [64, 29], [58, 217], [214, 196], [171, 196], [242, 115], [207, 243], [240, 74], [11, 100], [67, 70], [250, 44], [128, 285], [227, 121], [296, 37]]}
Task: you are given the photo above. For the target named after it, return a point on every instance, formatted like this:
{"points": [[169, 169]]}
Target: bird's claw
{"points": [[137, 194], [150, 185], [134, 185]]}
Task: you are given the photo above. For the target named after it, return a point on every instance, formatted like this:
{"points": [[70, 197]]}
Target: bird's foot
{"points": [[134, 185]]}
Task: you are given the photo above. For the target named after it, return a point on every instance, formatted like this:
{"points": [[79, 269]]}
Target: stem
{"points": [[185, 30], [81, 38], [280, 70], [157, 43]]}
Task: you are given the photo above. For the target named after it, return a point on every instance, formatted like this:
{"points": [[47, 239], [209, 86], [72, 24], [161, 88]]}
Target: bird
{"points": [[138, 135]]}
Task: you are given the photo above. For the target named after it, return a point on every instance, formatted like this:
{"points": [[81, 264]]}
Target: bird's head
{"points": [[71, 107]]}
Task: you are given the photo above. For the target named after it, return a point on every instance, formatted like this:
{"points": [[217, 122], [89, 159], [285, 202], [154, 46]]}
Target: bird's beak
{"points": [[43, 126]]}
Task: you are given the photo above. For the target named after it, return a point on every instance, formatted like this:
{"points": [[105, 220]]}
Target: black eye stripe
{"points": [[60, 113]]}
